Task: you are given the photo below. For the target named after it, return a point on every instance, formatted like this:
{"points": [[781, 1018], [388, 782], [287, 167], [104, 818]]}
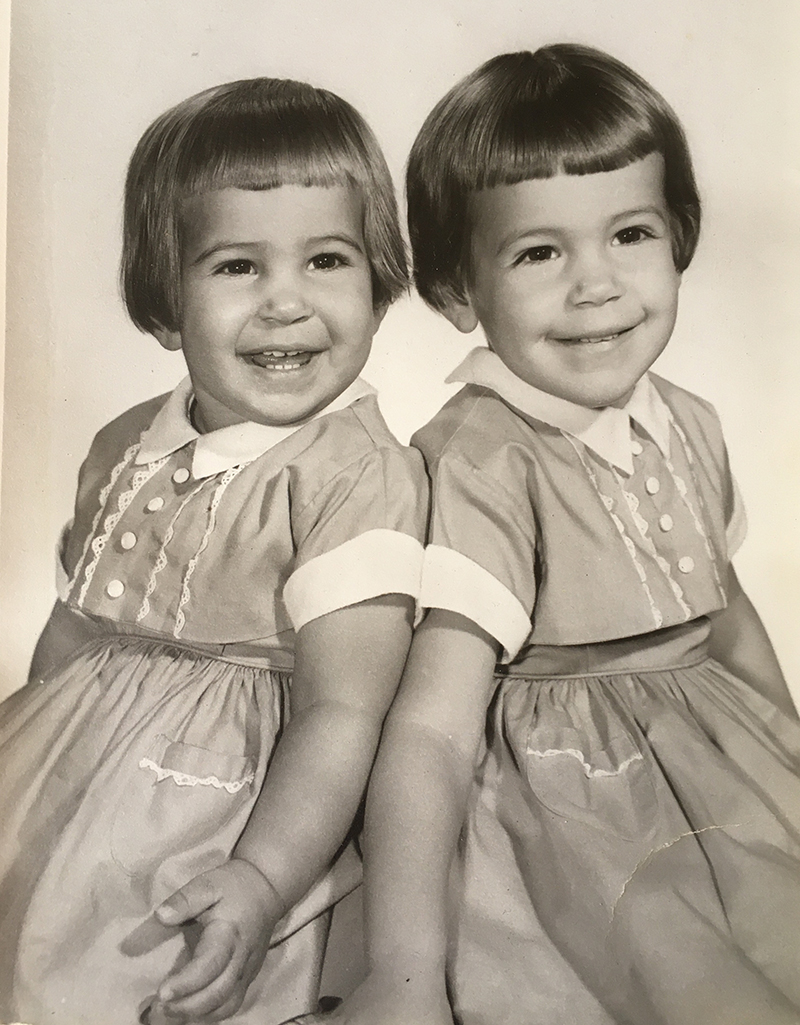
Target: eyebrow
{"points": [[639, 211], [515, 237], [347, 240], [317, 240]]}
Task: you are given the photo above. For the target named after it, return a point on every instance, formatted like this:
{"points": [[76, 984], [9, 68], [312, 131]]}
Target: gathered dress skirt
{"points": [[125, 773], [632, 849]]}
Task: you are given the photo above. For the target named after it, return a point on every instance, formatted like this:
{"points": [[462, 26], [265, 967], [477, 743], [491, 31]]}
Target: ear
{"points": [[168, 339], [378, 313], [459, 311]]}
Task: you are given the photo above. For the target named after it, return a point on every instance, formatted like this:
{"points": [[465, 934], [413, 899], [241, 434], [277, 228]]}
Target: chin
{"points": [[600, 396], [595, 398]]}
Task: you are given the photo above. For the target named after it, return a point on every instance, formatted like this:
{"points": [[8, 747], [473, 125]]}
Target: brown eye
{"points": [[236, 267], [630, 236], [537, 254], [327, 261]]}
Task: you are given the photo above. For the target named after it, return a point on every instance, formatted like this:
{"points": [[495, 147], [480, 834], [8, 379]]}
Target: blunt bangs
{"points": [[567, 149], [565, 109], [541, 137], [258, 145], [256, 134]]}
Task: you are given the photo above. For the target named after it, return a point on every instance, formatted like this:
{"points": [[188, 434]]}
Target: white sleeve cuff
{"points": [[374, 563], [452, 581], [736, 530]]}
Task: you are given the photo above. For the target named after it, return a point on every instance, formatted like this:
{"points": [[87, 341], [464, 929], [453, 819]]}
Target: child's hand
{"points": [[237, 910]]}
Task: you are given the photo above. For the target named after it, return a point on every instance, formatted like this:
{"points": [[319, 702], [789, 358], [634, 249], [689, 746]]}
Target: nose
{"points": [[283, 300], [594, 280]]}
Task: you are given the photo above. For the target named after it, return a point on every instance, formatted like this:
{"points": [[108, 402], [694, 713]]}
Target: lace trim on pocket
{"points": [[591, 773], [183, 779]]}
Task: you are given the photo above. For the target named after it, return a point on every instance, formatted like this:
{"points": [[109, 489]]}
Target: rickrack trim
{"points": [[102, 499], [139, 479], [643, 527], [590, 772], [161, 559], [183, 779], [680, 484], [630, 547], [219, 491]]}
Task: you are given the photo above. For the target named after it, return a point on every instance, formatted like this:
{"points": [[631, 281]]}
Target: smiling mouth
{"points": [[595, 339], [275, 359]]}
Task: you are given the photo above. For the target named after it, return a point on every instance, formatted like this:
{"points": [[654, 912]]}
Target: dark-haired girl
{"points": [[182, 770], [592, 701]]}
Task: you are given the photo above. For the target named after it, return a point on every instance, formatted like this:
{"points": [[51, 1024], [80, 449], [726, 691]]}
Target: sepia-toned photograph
{"points": [[400, 514]]}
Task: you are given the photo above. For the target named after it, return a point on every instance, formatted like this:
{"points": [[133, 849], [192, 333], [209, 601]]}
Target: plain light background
{"points": [[87, 76]]}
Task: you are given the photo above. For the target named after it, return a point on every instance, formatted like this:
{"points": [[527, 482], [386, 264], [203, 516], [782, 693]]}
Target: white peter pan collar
{"points": [[605, 431], [220, 450]]}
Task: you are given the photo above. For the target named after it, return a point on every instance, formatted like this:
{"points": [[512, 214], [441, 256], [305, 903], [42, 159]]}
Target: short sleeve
{"points": [[481, 557], [360, 536], [736, 522]]}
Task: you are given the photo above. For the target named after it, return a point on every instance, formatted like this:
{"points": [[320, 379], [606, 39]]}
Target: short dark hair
{"points": [[565, 109], [256, 134]]}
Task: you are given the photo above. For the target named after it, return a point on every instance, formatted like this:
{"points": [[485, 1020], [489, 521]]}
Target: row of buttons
{"points": [[652, 486], [116, 588], [180, 476]]}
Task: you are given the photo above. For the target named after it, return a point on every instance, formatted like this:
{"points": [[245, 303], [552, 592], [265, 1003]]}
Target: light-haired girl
{"points": [[181, 772], [592, 700]]}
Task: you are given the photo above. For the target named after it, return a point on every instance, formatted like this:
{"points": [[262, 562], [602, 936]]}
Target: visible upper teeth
{"points": [[605, 338], [277, 354]]}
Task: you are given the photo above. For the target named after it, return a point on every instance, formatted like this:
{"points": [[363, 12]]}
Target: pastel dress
{"points": [[632, 849], [133, 764]]}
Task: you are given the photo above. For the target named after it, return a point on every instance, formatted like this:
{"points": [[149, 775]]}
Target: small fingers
{"points": [[220, 997], [213, 954], [214, 1003], [197, 896], [226, 1010]]}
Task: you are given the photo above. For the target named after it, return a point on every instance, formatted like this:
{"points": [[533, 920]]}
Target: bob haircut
{"points": [[565, 109], [255, 134]]}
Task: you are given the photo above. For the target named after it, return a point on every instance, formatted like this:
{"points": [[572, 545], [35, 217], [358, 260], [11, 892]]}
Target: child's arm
{"points": [[740, 643], [415, 809], [347, 667]]}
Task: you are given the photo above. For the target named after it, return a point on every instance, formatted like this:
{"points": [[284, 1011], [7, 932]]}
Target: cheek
{"points": [[661, 284], [525, 310], [495, 301], [199, 311], [357, 315]]}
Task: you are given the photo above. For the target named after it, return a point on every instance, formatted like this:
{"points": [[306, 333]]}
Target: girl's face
{"points": [[573, 280], [277, 314]]}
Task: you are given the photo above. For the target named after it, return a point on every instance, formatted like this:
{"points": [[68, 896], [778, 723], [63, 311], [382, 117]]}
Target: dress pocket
{"points": [[586, 760], [178, 797]]}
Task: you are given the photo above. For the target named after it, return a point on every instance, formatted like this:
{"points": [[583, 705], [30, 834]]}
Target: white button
{"points": [[637, 448], [115, 588], [155, 504], [181, 475], [666, 522], [128, 540], [686, 564], [652, 485]]}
